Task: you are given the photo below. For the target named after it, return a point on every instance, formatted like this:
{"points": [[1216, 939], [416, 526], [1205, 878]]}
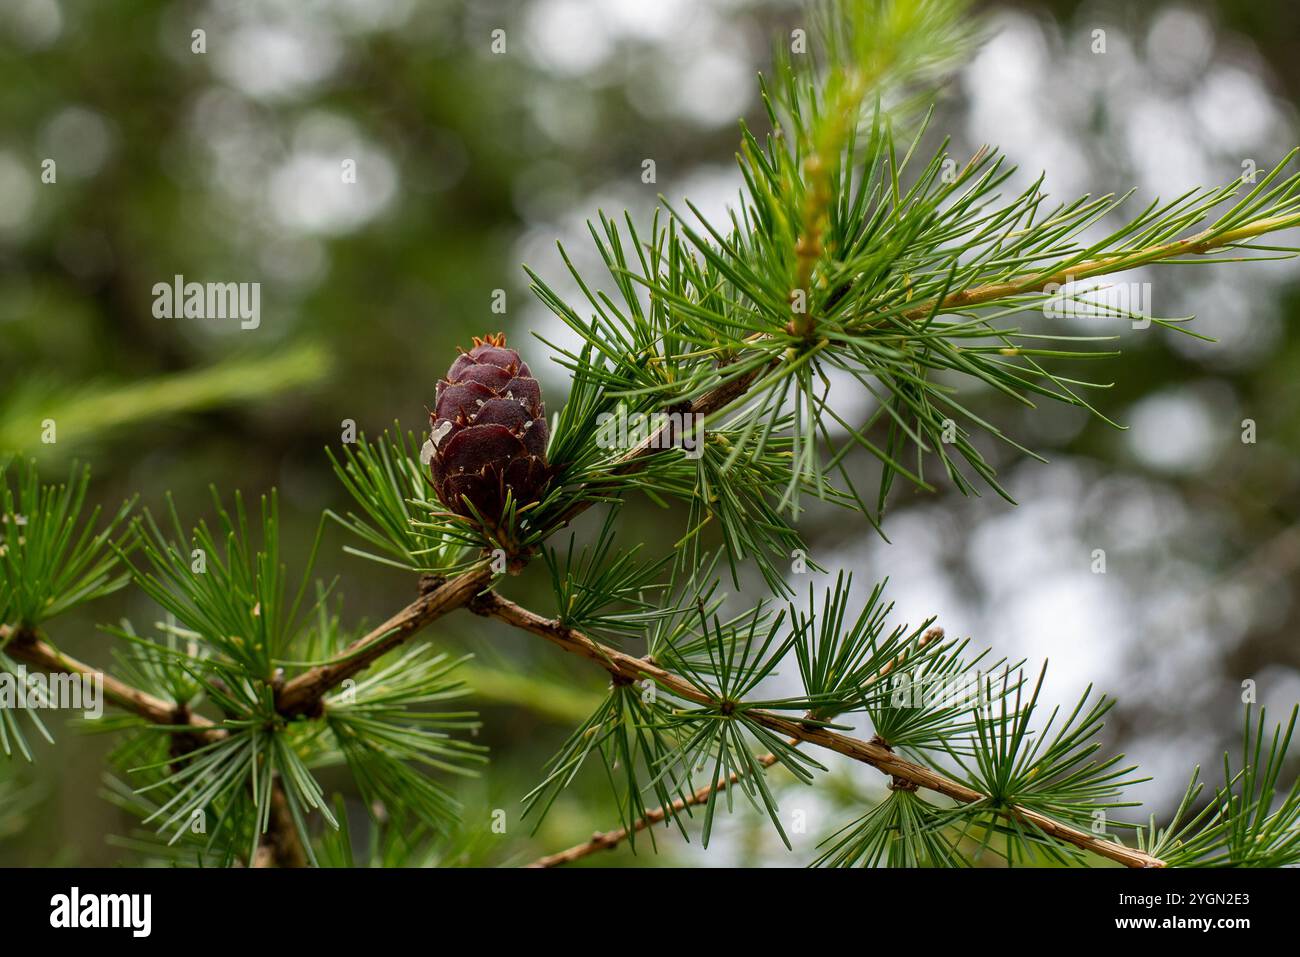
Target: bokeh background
{"points": [[225, 166]]}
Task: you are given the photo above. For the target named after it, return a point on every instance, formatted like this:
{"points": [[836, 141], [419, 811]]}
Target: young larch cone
{"points": [[487, 432]]}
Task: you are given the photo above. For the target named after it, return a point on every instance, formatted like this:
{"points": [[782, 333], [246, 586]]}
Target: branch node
{"points": [[483, 604], [430, 583], [22, 635], [182, 742]]}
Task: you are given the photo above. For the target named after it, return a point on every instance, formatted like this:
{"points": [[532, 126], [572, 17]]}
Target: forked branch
{"points": [[628, 667], [302, 694], [279, 847]]}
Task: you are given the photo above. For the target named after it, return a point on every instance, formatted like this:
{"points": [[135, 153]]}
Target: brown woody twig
{"points": [[279, 847], [608, 840], [877, 755]]}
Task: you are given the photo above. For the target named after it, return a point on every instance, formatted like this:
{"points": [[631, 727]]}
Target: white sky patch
{"points": [[567, 36], [371, 14], [1008, 549], [568, 116], [714, 190], [35, 24], [236, 139], [1073, 621], [850, 400], [307, 190], [1179, 44], [709, 83], [660, 20], [276, 60], [1243, 323], [1004, 84], [295, 260], [1171, 138], [1234, 109], [1174, 431]]}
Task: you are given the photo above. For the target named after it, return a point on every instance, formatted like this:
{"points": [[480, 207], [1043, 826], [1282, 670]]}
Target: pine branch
{"points": [[879, 756], [280, 846], [1205, 241], [755, 361], [28, 647], [608, 840], [837, 258], [302, 694]]}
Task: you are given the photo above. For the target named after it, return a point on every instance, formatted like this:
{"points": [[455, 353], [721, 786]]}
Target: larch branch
{"points": [[1205, 241], [302, 695], [280, 846], [877, 755], [608, 840]]}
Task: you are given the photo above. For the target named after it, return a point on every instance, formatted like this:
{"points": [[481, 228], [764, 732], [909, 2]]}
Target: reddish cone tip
{"points": [[488, 432]]}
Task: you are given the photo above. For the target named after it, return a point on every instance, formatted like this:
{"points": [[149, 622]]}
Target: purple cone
{"points": [[488, 432]]}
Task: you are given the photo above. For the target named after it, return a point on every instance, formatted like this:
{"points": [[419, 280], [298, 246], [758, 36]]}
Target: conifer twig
{"points": [[608, 840], [29, 648], [280, 846], [877, 755], [1205, 241], [302, 694]]}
